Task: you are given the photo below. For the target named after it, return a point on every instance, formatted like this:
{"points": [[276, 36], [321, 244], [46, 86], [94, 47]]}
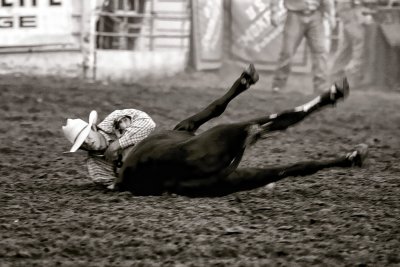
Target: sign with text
{"points": [[207, 33], [255, 39], [35, 22]]}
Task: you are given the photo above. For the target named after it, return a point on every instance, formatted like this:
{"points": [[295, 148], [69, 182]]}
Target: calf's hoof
{"points": [[250, 75]]}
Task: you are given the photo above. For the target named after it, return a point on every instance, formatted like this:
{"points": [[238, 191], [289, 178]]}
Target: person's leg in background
{"points": [[315, 35], [293, 33], [356, 34], [348, 58], [341, 57]]}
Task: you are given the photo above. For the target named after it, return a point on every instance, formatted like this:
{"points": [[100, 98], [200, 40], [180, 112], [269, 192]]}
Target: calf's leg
{"points": [[285, 119], [251, 178], [243, 179], [217, 107]]}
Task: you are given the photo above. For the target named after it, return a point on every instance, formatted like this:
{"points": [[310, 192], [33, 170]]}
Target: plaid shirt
{"points": [[139, 129], [102, 171]]}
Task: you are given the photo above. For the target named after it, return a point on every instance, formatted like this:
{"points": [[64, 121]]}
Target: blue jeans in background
{"points": [[297, 26]]}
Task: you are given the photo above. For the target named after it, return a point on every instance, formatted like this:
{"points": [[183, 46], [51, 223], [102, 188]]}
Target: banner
{"points": [[254, 39], [35, 22], [207, 33]]}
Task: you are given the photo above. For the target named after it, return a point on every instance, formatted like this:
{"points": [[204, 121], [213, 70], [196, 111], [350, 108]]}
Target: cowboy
{"points": [[108, 142]]}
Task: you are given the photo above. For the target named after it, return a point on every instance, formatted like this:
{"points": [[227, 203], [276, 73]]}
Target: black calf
{"points": [[181, 162]]}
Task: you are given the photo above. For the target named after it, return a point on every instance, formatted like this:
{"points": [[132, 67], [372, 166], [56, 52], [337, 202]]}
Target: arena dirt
{"points": [[52, 215]]}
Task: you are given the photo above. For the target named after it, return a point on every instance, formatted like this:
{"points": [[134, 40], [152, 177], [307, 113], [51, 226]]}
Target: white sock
{"points": [[308, 105]]}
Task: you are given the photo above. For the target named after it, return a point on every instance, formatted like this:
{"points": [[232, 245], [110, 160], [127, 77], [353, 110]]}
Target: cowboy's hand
{"points": [[112, 150]]}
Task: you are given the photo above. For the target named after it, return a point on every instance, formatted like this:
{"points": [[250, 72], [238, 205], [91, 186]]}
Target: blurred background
{"points": [[129, 40]]}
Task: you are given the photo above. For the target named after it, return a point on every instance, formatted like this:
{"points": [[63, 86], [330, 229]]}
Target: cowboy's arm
{"points": [[108, 122], [139, 129], [141, 126]]}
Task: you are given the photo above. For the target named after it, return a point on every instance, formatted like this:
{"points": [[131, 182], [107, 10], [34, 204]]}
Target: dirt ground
{"points": [[52, 215]]}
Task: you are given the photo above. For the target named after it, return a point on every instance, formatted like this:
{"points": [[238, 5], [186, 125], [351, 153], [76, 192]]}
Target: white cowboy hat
{"points": [[77, 130]]}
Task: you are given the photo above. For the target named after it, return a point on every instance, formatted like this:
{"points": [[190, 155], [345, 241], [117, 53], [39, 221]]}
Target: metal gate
{"points": [[143, 25]]}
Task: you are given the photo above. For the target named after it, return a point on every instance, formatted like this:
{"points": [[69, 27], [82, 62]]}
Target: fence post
{"points": [[90, 40]]}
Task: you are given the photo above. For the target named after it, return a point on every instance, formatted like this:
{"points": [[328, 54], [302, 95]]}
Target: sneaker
{"points": [[359, 154], [339, 91], [252, 74]]}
